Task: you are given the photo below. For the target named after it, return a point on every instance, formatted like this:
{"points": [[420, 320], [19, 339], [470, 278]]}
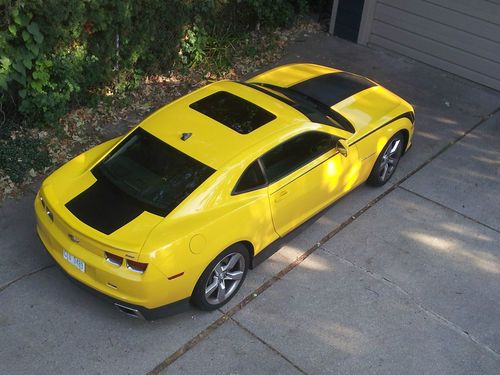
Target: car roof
{"points": [[212, 142]]}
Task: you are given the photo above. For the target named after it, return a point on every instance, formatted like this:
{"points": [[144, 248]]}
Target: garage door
{"points": [[460, 36]]}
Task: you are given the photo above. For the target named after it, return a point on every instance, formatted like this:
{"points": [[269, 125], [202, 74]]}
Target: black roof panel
{"points": [[332, 88], [234, 112]]}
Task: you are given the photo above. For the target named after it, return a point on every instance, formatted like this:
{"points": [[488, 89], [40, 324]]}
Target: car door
{"points": [[305, 174]]}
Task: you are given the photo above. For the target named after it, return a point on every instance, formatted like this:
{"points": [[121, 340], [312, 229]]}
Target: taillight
{"points": [[46, 209], [114, 259], [43, 203], [138, 267]]}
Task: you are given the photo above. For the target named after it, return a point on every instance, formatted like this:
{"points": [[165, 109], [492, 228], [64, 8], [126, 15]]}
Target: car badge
{"points": [[73, 238]]}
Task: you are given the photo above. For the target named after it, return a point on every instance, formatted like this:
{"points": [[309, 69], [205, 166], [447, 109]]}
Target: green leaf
{"points": [[37, 86], [38, 38], [5, 61], [19, 67], [33, 28], [27, 63], [3, 81], [33, 48], [13, 29], [19, 78], [35, 31], [22, 93], [26, 36], [21, 19]]}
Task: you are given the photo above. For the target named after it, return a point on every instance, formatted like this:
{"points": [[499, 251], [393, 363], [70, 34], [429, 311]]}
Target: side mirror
{"points": [[342, 147]]}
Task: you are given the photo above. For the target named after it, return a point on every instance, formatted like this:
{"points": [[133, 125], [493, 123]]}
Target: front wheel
{"points": [[387, 161], [222, 278]]}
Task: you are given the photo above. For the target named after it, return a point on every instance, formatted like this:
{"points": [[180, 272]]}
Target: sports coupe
{"points": [[178, 210]]}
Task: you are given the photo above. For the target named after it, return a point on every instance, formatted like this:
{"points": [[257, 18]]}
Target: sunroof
{"points": [[234, 112]]}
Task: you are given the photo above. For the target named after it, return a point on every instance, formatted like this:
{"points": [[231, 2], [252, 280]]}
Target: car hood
{"points": [[370, 108], [363, 102], [93, 210]]}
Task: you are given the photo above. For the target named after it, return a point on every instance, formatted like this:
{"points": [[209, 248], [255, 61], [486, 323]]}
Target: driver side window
{"points": [[295, 153]]}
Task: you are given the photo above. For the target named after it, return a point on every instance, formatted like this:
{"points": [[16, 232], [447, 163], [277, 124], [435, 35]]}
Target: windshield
{"points": [[152, 172], [313, 109]]}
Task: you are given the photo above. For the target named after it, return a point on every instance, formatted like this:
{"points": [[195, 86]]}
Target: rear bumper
{"points": [[126, 307], [150, 295]]}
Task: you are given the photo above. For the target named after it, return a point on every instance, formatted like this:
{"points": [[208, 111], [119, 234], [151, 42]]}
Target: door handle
{"points": [[281, 195]]}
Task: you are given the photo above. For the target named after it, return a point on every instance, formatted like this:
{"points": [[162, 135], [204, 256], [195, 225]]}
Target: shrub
{"points": [[21, 154], [55, 54]]}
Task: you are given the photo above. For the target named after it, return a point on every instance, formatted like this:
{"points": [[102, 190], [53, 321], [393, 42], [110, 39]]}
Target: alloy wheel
{"points": [[225, 278], [390, 159]]}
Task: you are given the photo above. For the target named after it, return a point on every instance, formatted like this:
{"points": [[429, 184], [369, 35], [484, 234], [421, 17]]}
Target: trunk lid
{"points": [[86, 211]]}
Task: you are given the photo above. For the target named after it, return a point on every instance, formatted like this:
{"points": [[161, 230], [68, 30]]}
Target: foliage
{"points": [[22, 155], [56, 55], [193, 46]]}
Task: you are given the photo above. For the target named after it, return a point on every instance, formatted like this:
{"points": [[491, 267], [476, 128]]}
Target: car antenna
{"points": [[186, 136]]}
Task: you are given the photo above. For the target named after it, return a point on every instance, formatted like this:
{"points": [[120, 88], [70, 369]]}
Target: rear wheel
{"points": [[222, 278], [387, 161]]}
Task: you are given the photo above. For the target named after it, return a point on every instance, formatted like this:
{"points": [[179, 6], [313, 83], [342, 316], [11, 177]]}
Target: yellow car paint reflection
{"points": [[155, 258]]}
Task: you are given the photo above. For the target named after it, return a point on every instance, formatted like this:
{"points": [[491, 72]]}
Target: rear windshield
{"points": [[234, 112], [152, 172]]}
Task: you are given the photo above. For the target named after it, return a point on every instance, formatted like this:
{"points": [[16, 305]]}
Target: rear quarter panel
{"points": [[199, 230]]}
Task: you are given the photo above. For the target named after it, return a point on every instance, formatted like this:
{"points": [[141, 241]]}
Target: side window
{"points": [[251, 179], [296, 152]]}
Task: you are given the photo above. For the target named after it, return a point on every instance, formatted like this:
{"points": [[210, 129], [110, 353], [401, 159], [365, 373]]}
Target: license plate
{"points": [[78, 263]]}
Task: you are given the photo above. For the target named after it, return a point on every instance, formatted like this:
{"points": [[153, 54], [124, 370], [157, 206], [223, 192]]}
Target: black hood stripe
{"points": [[104, 207], [332, 88]]}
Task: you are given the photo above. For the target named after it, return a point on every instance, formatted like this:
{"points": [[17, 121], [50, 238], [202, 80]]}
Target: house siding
{"points": [[459, 36]]}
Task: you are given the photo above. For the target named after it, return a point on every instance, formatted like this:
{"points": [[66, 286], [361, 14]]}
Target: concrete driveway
{"points": [[399, 279]]}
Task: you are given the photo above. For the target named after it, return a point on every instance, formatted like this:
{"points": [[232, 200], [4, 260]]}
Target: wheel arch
{"points": [[406, 138], [250, 248], [196, 295]]}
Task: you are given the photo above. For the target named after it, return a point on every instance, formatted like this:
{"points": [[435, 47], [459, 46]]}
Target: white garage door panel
{"points": [[450, 54], [447, 16], [460, 36], [486, 10], [439, 32], [438, 63]]}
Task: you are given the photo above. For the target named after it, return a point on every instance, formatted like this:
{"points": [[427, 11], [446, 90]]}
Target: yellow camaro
{"points": [[179, 209]]}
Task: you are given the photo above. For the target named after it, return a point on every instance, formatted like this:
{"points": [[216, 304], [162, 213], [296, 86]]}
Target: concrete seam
{"points": [[188, 345], [441, 319], [445, 148], [449, 208], [273, 349], [5, 286], [268, 283]]}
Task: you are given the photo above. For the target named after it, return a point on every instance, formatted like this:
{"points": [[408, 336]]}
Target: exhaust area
{"points": [[133, 313]]}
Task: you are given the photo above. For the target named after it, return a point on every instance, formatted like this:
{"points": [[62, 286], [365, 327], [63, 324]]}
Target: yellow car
{"points": [[179, 209]]}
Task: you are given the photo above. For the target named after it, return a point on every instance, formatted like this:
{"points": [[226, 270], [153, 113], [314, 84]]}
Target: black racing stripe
{"points": [[104, 207], [332, 88], [409, 115]]}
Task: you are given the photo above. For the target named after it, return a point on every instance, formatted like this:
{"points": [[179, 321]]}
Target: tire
{"points": [[218, 285], [387, 161]]}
